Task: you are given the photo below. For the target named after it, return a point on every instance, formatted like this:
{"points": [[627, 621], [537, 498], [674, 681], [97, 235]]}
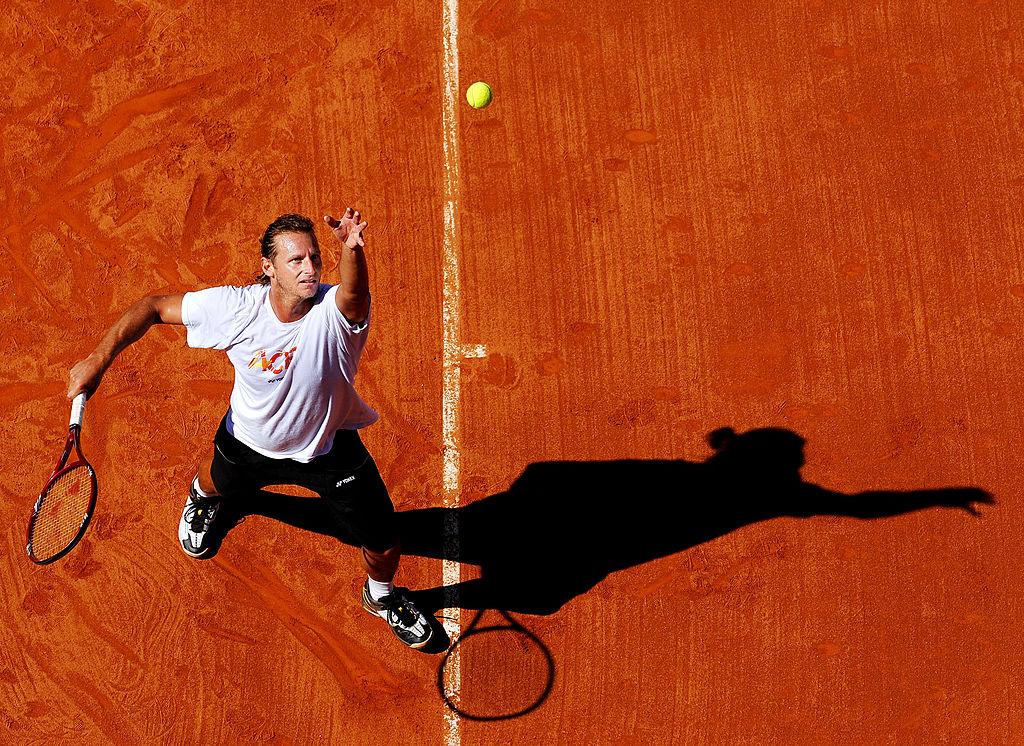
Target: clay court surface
{"points": [[675, 217]]}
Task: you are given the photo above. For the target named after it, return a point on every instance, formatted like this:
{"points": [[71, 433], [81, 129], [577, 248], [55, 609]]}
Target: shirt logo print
{"points": [[277, 363]]}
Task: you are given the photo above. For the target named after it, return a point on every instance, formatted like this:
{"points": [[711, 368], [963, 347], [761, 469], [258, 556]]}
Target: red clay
{"points": [[674, 217]]}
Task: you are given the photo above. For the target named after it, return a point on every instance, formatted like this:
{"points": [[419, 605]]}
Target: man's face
{"points": [[296, 267]]}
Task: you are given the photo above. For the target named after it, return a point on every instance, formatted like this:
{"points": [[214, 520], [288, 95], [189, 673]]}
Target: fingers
{"points": [[85, 377], [349, 228], [77, 387], [349, 214]]}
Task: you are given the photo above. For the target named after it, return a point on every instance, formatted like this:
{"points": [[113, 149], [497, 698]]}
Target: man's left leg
{"points": [[359, 502], [383, 599], [381, 568]]}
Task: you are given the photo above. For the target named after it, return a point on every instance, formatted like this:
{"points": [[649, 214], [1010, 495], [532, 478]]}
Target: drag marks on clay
{"points": [[352, 667], [12, 244], [401, 84], [88, 699], [194, 213], [210, 628], [700, 579], [801, 412], [85, 150], [414, 451], [15, 394], [60, 197], [94, 625], [252, 725], [137, 565]]}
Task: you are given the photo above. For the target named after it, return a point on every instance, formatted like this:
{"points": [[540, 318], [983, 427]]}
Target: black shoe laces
{"points": [[400, 610], [200, 512]]}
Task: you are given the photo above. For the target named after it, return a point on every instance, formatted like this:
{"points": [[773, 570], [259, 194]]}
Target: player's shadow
{"points": [[563, 526], [308, 513]]}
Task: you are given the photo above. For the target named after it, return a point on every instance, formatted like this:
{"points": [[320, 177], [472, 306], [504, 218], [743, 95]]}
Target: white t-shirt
{"points": [[293, 381]]}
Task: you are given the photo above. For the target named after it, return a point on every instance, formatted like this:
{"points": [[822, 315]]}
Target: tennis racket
{"points": [[62, 511], [501, 671]]}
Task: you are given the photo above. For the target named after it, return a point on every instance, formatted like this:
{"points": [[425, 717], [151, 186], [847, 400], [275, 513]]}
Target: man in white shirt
{"points": [[294, 417]]}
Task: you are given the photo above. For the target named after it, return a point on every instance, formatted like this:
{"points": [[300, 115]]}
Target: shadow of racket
{"points": [[496, 671]]}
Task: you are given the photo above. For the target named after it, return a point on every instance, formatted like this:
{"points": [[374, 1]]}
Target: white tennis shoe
{"points": [[409, 624], [196, 520]]}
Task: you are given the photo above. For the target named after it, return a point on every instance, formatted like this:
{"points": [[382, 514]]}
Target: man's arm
{"points": [[154, 309], [353, 295]]}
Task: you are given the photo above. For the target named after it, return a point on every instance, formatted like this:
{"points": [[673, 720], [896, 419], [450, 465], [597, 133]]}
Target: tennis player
{"points": [[294, 417]]}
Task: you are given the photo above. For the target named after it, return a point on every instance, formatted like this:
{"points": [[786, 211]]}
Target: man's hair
{"points": [[290, 223]]}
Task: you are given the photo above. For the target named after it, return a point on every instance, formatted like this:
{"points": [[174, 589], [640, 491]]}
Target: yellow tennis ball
{"points": [[478, 95]]}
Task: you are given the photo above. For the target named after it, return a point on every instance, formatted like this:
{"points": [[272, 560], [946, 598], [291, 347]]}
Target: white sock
{"points": [[378, 589], [199, 490]]}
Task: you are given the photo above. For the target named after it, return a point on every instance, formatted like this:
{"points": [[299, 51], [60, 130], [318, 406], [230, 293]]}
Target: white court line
{"points": [[452, 349]]}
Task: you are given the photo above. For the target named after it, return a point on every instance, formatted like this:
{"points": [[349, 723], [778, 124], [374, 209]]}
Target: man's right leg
{"points": [[205, 477], [231, 470], [200, 511]]}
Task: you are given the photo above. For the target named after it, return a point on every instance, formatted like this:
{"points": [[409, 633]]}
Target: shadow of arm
{"points": [[811, 500]]}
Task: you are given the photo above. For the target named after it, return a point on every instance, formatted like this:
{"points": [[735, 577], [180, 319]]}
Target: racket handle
{"points": [[77, 411]]}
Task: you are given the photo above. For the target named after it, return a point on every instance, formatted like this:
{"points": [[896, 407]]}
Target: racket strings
{"points": [[504, 671], [63, 508]]}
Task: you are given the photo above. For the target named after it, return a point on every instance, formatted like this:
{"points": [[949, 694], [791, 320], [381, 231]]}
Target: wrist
{"points": [[101, 358]]}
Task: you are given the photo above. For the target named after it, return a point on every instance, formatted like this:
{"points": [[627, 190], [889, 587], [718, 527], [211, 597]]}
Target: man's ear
{"points": [[267, 266]]}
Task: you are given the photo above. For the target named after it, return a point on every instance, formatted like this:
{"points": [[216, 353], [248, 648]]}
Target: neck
{"points": [[288, 308]]}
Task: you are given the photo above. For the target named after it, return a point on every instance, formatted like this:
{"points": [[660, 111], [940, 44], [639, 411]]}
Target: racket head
{"points": [[63, 509], [505, 671]]}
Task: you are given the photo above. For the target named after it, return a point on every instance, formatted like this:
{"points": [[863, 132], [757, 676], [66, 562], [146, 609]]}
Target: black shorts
{"points": [[346, 477]]}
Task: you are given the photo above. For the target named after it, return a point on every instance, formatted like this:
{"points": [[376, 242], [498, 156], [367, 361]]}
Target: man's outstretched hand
{"points": [[965, 498], [348, 230]]}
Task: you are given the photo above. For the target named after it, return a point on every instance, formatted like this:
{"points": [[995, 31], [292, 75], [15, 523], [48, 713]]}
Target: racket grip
{"points": [[77, 411]]}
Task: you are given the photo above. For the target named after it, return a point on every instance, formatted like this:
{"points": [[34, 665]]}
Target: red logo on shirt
{"points": [[278, 362]]}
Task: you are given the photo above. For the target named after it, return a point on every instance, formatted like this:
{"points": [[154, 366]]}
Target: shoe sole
{"points": [[194, 556]]}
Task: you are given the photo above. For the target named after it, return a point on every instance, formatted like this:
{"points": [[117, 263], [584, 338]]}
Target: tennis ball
{"points": [[478, 95]]}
